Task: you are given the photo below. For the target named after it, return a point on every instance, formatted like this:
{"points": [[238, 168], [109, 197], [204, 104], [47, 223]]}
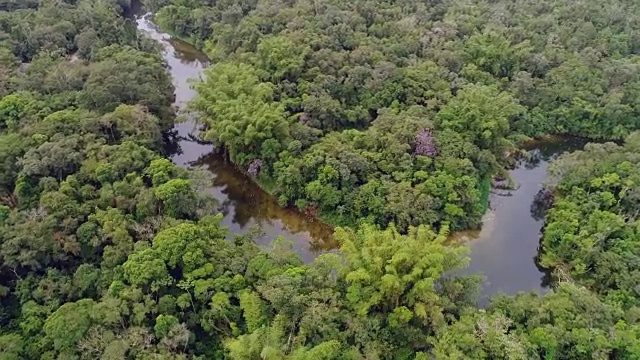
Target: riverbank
{"points": [[242, 202], [110, 250], [504, 249], [330, 219]]}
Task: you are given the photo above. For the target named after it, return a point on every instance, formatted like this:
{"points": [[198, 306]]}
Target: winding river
{"points": [[244, 204], [506, 248], [504, 251]]}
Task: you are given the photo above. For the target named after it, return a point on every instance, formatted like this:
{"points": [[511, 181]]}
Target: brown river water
{"points": [[504, 250], [243, 203]]}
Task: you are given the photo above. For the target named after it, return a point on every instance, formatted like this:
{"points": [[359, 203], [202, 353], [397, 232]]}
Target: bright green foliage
{"points": [[164, 323], [303, 87], [178, 197], [12, 110], [482, 114], [67, 325], [398, 275], [160, 171], [380, 298], [495, 53], [11, 347], [253, 310], [145, 268], [592, 234], [240, 110], [108, 251], [281, 57], [397, 280]]}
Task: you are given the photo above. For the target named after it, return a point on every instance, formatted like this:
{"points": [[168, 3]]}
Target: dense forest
{"points": [[401, 111], [390, 117]]}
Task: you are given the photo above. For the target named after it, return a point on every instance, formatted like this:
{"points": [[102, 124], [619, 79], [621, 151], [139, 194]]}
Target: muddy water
{"points": [[506, 248], [242, 202]]}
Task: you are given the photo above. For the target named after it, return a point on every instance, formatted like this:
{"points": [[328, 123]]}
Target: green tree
{"points": [[239, 110], [178, 198]]}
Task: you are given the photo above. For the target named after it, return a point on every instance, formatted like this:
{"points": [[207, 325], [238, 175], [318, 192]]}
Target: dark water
{"points": [[243, 203], [506, 248], [504, 251], [131, 8]]}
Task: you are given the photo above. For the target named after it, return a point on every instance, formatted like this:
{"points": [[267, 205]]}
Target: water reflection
{"points": [[243, 203], [548, 149], [186, 53], [245, 206], [506, 249]]}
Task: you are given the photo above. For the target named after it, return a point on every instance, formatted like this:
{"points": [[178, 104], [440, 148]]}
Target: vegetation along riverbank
{"points": [[336, 109], [385, 116]]}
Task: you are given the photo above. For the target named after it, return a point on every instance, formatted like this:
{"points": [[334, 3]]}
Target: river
{"points": [[504, 251], [506, 248], [243, 203]]}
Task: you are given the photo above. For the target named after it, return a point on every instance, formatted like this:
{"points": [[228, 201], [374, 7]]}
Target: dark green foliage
{"points": [[569, 323], [591, 235], [303, 87], [108, 250], [80, 139]]}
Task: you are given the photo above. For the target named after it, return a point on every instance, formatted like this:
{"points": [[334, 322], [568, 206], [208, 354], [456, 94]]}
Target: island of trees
{"points": [[400, 112], [386, 119]]}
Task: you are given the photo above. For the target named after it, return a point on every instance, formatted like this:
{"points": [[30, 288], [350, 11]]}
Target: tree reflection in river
{"points": [[244, 203], [507, 248]]}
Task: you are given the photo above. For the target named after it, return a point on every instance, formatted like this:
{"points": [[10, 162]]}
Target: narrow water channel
{"points": [[243, 203], [504, 251]]}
